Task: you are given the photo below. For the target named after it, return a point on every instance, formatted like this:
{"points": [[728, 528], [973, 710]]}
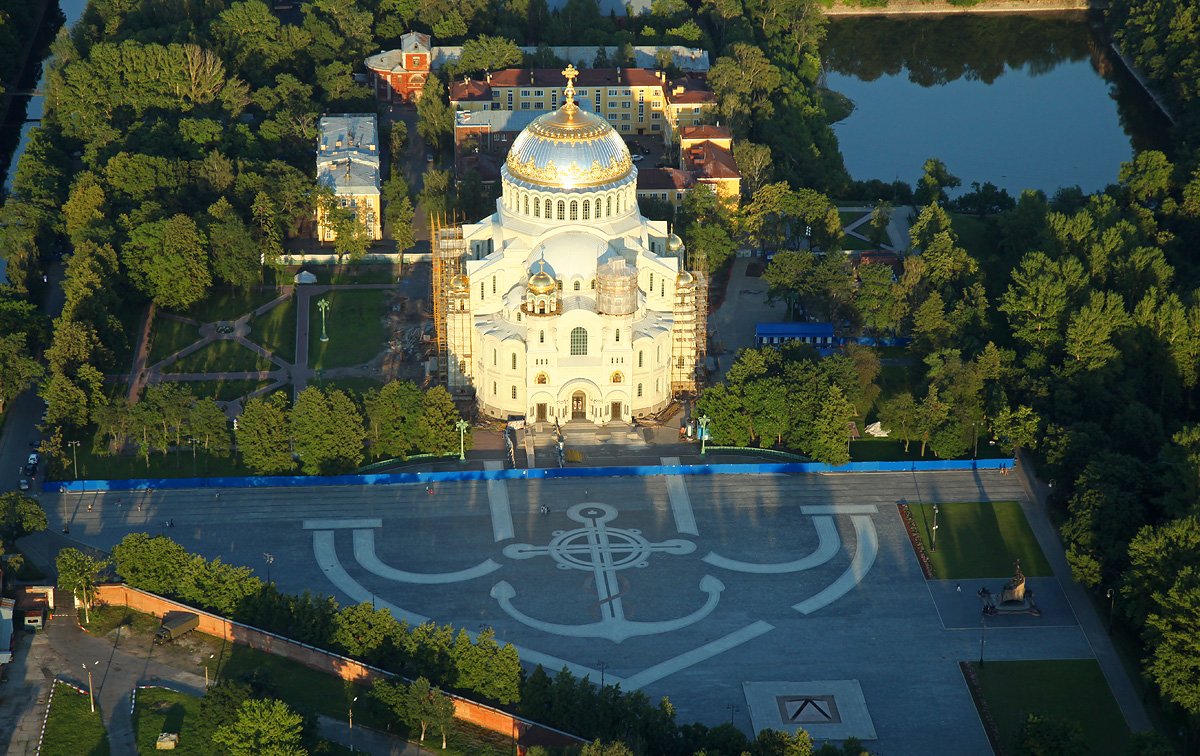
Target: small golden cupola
{"points": [[542, 290]]}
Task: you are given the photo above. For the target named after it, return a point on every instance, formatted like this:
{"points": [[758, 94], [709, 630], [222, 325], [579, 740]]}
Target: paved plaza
{"points": [[701, 588]]}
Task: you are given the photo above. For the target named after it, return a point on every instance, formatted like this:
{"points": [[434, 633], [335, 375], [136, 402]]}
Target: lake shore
{"points": [[942, 8]]}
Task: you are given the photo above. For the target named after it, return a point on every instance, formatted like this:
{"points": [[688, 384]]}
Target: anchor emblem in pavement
{"points": [[604, 551]]}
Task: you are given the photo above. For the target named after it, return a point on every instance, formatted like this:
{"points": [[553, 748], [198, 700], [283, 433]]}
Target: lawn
{"points": [[169, 337], [226, 391], [161, 710], [979, 540], [357, 331], [105, 619], [72, 728], [276, 330], [892, 450], [177, 464], [226, 303], [220, 356], [1072, 689]]}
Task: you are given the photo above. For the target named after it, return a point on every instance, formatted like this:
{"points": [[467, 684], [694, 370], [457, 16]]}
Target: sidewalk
{"points": [[1124, 690], [366, 740]]}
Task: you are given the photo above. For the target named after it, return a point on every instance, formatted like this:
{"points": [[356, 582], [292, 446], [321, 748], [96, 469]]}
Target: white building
{"points": [[573, 306]]}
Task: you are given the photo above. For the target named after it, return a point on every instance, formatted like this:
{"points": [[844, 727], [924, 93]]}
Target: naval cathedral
{"points": [[566, 304]]}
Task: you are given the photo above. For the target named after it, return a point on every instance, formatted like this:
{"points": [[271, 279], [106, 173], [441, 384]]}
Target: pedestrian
{"points": [[66, 530], [958, 587], [89, 507], [171, 523]]}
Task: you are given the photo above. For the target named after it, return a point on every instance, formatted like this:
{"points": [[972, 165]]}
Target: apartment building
{"points": [[348, 163]]}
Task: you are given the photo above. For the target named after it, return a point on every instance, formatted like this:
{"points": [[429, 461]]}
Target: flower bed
{"points": [[910, 527]]}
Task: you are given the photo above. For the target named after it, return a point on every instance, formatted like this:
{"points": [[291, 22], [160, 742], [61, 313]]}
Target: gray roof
{"points": [[348, 135], [349, 177], [644, 56]]}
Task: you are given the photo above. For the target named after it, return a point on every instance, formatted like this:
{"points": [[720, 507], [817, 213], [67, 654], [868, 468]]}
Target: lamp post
{"points": [[703, 423], [733, 709], [270, 559], [975, 431], [192, 442], [933, 544], [91, 698], [323, 306], [206, 661], [462, 426], [74, 458], [602, 665], [351, 709], [1111, 595], [982, 627]]}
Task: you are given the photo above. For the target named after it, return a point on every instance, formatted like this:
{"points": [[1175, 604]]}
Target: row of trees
{"points": [[437, 652]]}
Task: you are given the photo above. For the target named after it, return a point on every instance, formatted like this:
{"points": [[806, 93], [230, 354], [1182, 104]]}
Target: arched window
{"points": [[514, 392], [525, 200], [542, 379], [514, 360], [608, 205], [541, 337], [577, 286], [640, 355], [662, 288], [541, 308], [494, 357], [617, 377], [618, 334], [587, 210], [562, 209], [537, 208], [493, 284], [652, 282], [578, 341], [639, 391], [481, 289], [493, 388], [597, 208], [574, 210], [592, 285]]}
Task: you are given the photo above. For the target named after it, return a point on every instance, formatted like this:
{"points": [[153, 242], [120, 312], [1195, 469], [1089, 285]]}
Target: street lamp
{"points": [[323, 306], [462, 426], [602, 665], [210, 656], [703, 422], [351, 708], [192, 442], [270, 559], [1111, 595], [91, 698], [933, 545], [982, 627], [733, 709], [74, 458]]}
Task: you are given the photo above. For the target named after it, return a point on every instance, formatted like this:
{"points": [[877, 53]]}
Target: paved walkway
{"points": [[1124, 689]]}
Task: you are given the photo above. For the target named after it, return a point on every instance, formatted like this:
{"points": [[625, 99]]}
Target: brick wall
{"points": [[487, 717]]}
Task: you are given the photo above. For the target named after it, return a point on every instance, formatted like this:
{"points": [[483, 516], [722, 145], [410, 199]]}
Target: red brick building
{"points": [[399, 75]]}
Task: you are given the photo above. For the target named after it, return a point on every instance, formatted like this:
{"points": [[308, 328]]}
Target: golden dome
{"points": [[542, 282], [569, 148], [460, 283], [684, 279], [674, 243]]}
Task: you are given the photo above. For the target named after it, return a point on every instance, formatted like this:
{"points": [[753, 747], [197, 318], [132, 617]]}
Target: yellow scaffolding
{"points": [[690, 330], [448, 250]]}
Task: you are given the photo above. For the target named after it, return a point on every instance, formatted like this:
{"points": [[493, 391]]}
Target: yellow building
{"points": [[634, 100], [348, 163]]}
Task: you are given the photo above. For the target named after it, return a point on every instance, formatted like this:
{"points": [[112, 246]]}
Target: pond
{"points": [[1023, 102]]}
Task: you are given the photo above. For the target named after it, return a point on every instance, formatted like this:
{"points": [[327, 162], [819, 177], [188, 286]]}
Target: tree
{"points": [[264, 727], [879, 299], [79, 573], [789, 274], [712, 241], [484, 53], [168, 261], [207, 424], [398, 142], [743, 83], [434, 190], [1157, 554], [1147, 176], [598, 748], [361, 630], [1017, 427], [932, 186], [831, 433], [754, 162], [1038, 298], [263, 437], [236, 257], [1091, 330], [152, 564], [418, 704], [394, 419], [776, 743], [220, 704], [435, 121], [438, 418], [881, 216], [327, 431], [18, 369], [20, 515], [1174, 663], [398, 211]]}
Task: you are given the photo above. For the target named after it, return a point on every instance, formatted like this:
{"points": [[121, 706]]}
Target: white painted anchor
{"points": [[603, 551]]}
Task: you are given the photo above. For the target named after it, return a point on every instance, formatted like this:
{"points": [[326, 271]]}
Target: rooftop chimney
{"points": [[489, 77], [618, 74]]}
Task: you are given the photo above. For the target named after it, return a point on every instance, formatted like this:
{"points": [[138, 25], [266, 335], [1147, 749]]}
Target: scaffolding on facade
{"points": [[450, 295], [690, 332]]}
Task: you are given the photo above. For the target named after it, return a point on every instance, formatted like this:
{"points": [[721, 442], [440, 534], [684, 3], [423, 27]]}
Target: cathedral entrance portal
{"points": [[616, 410], [541, 412], [578, 405]]}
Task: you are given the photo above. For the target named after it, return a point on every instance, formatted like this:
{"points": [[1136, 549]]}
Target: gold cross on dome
{"points": [[570, 72]]}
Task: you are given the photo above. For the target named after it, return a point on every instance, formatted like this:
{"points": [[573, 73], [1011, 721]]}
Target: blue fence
{"points": [[387, 479]]}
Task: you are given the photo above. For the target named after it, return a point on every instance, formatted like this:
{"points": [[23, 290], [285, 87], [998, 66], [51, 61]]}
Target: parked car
{"points": [[33, 459], [637, 158], [30, 470]]}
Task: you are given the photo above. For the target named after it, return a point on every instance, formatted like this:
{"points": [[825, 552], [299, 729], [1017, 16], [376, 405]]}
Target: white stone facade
{"points": [[569, 291]]}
